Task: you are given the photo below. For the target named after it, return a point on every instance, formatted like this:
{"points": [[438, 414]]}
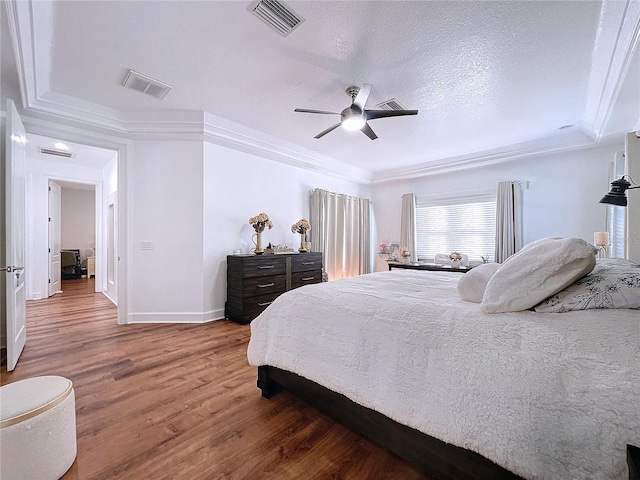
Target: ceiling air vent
{"points": [[144, 84], [277, 15], [57, 153], [390, 105]]}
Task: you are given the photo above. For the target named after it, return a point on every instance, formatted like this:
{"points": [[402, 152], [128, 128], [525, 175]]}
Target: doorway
{"points": [[72, 231], [88, 181]]}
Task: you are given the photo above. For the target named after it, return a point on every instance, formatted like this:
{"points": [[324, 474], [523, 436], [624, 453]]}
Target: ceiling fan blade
{"points": [[362, 96], [368, 132], [304, 110], [373, 114], [324, 132]]}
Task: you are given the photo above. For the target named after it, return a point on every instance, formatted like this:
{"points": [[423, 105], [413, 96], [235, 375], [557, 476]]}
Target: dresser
{"points": [[255, 281]]}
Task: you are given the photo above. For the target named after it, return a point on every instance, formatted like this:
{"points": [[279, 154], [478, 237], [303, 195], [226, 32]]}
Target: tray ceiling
{"points": [[487, 77]]}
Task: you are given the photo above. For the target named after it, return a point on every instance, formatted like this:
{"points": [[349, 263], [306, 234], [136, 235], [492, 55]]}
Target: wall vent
{"points": [[390, 105], [57, 153], [277, 15], [144, 84]]}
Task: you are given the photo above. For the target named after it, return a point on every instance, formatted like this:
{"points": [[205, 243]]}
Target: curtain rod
{"points": [[338, 194]]}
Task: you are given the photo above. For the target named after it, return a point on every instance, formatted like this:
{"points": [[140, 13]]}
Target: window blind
{"points": [[616, 215], [467, 228], [617, 231]]}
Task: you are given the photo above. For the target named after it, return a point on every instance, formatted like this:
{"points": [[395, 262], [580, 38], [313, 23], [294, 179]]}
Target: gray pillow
{"points": [[613, 283]]}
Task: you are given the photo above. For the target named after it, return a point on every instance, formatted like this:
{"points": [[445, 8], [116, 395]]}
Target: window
{"points": [[464, 223], [616, 226], [616, 215]]}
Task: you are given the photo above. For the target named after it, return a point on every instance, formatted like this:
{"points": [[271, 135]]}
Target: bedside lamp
{"points": [[601, 240], [617, 195]]}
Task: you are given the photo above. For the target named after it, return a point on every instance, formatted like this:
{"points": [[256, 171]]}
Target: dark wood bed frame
{"points": [[433, 456]]}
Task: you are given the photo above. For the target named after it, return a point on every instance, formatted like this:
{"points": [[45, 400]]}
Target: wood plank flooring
{"points": [[169, 401]]}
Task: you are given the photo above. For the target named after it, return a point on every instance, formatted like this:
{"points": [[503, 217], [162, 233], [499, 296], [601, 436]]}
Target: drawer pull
{"points": [[306, 279], [263, 267], [264, 304], [265, 285], [308, 263]]}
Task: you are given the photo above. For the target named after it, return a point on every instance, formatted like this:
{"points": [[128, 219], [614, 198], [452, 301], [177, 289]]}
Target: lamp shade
{"points": [[601, 239], [617, 195]]}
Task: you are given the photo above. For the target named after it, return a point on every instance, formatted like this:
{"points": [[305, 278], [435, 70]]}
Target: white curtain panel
{"points": [[508, 220], [341, 230], [408, 236], [365, 248]]}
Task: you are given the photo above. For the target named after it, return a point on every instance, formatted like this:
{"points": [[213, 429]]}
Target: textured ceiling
{"points": [[484, 75]]}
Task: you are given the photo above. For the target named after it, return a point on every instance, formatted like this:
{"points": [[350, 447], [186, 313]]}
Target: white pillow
{"points": [[473, 283], [541, 269]]}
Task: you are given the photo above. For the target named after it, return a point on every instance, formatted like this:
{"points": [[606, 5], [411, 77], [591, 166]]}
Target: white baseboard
{"points": [[106, 294], [39, 296], [176, 317]]}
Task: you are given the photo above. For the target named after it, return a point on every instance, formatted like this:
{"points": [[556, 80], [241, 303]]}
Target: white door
{"points": [[112, 250], [55, 270], [15, 236]]}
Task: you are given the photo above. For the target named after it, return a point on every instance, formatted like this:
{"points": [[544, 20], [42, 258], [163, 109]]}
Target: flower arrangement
{"points": [[259, 222], [404, 252], [301, 226], [383, 247], [455, 256]]}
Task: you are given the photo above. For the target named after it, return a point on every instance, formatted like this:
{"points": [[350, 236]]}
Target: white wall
{"points": [[238, 186], [191, 200], [78, 220], [562, 198], [165, 192]]}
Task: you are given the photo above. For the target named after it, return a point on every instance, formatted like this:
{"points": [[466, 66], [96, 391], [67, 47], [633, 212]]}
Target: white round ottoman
{"points": [[37, 428]]}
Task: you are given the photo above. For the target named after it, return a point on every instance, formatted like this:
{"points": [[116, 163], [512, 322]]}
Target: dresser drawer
{"points": [[306, 261], [252, 307], [305, 278], [263, 285], [263, 266]]}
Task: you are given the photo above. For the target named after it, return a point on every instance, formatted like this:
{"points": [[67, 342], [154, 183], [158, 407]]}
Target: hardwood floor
{"points": [[171, 401]]}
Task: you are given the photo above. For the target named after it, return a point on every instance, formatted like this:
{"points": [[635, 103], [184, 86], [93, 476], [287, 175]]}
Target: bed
{"points": [[459, 392]]}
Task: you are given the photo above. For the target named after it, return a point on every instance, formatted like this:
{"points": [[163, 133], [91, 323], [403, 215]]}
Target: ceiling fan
{"points": [[355, 117]]}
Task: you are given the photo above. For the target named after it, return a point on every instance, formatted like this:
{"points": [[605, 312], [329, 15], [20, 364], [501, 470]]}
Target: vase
{"points": [[407, 259], [258, 243], [303, 243], [455, 263]]}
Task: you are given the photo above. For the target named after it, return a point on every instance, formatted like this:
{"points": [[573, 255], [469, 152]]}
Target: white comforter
{"points": [[550, 396]]}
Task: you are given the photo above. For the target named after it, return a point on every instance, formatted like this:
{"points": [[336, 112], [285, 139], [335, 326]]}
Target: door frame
{"points": [[122, 147]]}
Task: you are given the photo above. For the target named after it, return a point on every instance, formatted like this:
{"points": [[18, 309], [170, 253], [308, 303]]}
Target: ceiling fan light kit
{"points": [[356, 116], [353, 122]]}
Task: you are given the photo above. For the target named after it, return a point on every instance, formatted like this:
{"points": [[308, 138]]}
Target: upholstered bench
{"points": [[37, 428]]}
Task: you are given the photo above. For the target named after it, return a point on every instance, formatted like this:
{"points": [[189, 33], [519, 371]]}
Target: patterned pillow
{"points": [[613, 283]]}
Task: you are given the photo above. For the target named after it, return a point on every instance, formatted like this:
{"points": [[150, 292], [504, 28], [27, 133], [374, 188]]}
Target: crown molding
{"points": [[557, 144], [238, 137], [617, 38]]}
